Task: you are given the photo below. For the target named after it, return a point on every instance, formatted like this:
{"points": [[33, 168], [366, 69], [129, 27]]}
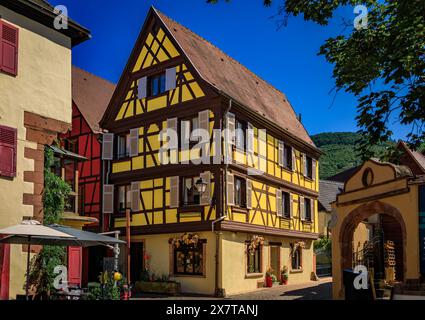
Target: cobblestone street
{"points": [[313, 290]]}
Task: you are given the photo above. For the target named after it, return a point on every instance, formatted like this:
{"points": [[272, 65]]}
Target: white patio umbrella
{"points": [[33, 232]]}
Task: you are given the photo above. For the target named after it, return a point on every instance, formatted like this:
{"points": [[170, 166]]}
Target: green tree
{"points": [[340, 151], [382, 64], [56, 192]]}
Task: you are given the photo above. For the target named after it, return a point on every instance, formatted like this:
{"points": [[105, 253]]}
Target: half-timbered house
{"points": [[90, 97], [215, 213]]}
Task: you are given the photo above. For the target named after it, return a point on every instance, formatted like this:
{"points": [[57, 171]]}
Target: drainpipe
{"points": [[223, 216]]}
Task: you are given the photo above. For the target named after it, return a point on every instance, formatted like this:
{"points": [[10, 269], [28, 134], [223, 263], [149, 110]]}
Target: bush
{"points": [[107, 289], [323, 244]]}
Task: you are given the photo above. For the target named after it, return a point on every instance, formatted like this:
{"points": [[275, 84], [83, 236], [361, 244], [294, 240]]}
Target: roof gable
{"points": [[413, 159], [234, 79], [154, 52], [212, 66], [91, 94], [374, 172]]}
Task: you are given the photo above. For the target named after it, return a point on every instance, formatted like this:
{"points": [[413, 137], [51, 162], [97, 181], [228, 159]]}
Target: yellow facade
{"points": [[225, 227], [43, 87], [232, 259], [234, 277], [389, 192], [156, 49]]}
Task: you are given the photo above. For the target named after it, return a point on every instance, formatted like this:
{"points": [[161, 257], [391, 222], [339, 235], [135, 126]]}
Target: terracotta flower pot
{"points": [[284, 281]]}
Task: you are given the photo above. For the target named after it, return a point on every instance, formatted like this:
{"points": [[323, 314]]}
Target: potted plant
{"points": [[269, 278], [284, 275]]}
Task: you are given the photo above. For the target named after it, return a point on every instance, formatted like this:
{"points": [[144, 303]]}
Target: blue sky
{"points": [[245, 30]]}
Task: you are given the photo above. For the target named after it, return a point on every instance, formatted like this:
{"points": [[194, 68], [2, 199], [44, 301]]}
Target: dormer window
{"points": [[156, 84]]}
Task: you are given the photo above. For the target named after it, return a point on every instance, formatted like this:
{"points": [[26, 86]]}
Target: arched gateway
{"points": [[376, 224], [394, 227]]}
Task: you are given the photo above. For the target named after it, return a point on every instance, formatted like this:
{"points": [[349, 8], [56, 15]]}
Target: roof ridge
{"points": [[224, 53], [94, 75]]}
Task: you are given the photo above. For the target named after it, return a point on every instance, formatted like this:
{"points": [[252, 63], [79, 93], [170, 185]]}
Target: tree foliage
{"points": [[56, 192], [381, 65], [340, 151]]}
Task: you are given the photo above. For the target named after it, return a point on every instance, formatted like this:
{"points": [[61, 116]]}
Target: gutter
{"points": [[218, 291], [46, 17]]}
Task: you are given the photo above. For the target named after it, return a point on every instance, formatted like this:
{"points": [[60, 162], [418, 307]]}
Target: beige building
{"points": [[379, 223], [35, 105]]}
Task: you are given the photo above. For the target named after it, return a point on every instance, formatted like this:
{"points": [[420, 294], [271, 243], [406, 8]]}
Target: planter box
{"points": [[173, 288]]}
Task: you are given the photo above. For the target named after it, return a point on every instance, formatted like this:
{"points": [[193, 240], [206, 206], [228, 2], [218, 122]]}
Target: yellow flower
{"points": [[117, 276]]}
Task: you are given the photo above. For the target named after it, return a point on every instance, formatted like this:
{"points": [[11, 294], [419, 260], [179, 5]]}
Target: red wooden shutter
{"points": [[4, 271], [74, 265], [8, 141], [9, 39]]}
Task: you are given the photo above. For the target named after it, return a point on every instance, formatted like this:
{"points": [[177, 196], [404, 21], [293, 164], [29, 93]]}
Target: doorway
{"points": [[381, 248], [136, 261], [275, 260]]}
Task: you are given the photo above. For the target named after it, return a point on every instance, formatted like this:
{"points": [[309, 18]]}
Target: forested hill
{"points": [[339, 152]]}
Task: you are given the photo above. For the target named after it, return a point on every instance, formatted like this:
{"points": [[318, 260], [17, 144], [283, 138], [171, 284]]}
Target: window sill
{"points": [[285, 218], [156, 96], [296, 271], [190, 208], [289, 170], [306, 221], [238, 209], [122, 159], [253, 275]]}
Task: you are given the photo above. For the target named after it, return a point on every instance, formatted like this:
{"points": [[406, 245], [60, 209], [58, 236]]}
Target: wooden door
{"points": [[136, 261], [275, 260], [74, 266]]}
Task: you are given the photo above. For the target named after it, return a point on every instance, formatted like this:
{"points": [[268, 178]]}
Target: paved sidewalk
{"points": [[313, 290]]}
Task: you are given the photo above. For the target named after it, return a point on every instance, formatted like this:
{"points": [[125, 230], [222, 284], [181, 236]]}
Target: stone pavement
{"points": [[313, 290]]}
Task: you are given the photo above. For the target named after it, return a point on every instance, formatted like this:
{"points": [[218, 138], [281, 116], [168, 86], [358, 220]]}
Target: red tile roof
{"points": [[91, 94], [418, 164], [235, 80], [420, 158]]}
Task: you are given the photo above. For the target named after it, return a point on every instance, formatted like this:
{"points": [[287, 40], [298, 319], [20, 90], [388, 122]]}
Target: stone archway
{"points": [[355, 217]]}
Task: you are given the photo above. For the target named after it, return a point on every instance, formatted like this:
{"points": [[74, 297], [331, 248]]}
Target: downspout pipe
{"points": [[226, 167], [218, 291]]}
